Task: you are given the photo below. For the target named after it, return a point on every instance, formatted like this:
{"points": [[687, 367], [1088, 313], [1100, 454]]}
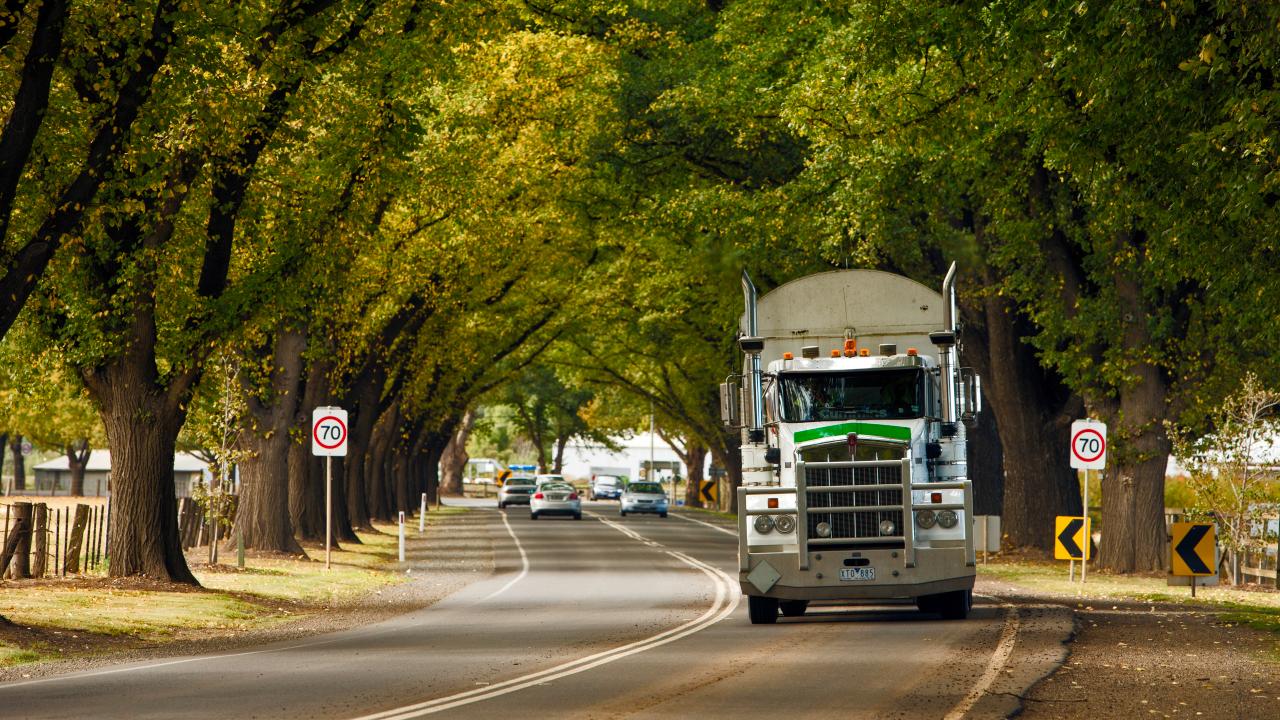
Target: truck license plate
{"points": [[858, 573]]}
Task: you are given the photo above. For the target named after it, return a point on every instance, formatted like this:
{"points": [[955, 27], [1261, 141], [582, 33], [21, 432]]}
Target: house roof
{"points": [[100, 461]]}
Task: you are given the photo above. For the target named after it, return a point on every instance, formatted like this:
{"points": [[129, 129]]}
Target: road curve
{"points": [[599, 618]]}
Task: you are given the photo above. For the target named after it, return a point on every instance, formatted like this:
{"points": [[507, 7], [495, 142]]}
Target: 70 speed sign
{"points": [[329, 432], [1089, 445]]}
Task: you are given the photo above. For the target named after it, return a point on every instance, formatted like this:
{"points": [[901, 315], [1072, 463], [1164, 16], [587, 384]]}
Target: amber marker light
{"points": [[912, 352]]}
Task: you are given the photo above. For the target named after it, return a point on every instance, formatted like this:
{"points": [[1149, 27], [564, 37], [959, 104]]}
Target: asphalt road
{"points": [[599, 618]]}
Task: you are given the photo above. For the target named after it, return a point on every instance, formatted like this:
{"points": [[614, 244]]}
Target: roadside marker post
{"points": [[328, 440], [401, 536], [422, 514], [1088, 451]]}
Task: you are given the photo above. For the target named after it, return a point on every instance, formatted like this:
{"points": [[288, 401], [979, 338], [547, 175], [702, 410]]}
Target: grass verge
{"points": [[1260, 608], [61, 617]]}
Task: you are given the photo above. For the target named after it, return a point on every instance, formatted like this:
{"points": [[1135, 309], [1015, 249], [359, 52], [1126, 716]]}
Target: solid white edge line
{"points": [[524, 562], [726, 601], [724, 530], [1004, 649]]}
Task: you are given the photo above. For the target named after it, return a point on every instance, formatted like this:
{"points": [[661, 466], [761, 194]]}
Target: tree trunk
{"points": [[77, 459], [306, 472], [453, 457], [435, 445], [375, 463], [364, 413], [729, 456], [22, 515], [694, 457], [4, 444], [1134, 535], [40, 540], [262, 513], [559, 460], [19, 485], [1033, 414]]}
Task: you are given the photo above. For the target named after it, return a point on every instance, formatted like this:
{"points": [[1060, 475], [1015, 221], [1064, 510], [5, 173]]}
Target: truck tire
{"points": [[622, 513], [793, 608], [533, 516], [956, 604], [762, 610], [578, 516]]}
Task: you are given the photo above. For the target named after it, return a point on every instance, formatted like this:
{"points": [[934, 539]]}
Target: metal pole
{"points": [[401, 536], [328, 508], [651, 473], [422, 514], [1088, 534]]}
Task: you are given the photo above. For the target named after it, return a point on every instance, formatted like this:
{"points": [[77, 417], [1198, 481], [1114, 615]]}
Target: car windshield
{"points": [[875, 394], [644, 488], [557, 487], [606, 481], [520, 481]]}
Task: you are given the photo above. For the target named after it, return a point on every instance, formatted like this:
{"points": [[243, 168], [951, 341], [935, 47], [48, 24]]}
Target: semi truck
{"points": [[853, 406]]}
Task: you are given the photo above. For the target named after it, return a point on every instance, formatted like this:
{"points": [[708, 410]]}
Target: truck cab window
{"points": [[866, 394]]}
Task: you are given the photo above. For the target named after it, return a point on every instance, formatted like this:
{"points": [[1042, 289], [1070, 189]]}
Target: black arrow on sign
{"points": [[1068, 537], [705, 491], [1187, 549]]}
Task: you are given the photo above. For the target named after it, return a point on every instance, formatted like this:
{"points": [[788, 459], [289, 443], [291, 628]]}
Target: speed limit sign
{"points": [[329, 432], [1089, 445]]}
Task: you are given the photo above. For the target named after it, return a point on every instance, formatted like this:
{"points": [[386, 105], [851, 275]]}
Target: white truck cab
{"points": [[855, 483]]}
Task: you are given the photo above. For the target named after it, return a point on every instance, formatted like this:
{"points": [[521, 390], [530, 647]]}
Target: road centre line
{"points": [[524, 562], [726, 601], [1004, 648]]}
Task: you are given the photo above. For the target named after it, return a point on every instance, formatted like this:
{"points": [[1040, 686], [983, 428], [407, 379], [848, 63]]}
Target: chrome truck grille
{"points": [[854, 514]]}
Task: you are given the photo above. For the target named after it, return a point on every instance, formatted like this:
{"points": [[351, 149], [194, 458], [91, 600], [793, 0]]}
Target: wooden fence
{"points": [[56, 540]]}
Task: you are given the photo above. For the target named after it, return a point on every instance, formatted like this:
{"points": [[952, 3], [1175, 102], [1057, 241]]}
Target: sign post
{"points": [[1088, 452], [328, 440]]}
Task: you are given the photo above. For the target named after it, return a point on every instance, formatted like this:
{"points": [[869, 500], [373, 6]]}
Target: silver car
{"points": [[555, 499], [515, 491], [644, 497]]}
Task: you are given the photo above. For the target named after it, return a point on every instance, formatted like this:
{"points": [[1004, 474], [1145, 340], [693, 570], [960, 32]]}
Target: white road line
{"points": [[717, 528], [524, 562], [998, 659], [726, 601]]}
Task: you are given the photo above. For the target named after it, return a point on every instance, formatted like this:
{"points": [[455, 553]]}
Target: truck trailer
{"points": [[852, 406]]}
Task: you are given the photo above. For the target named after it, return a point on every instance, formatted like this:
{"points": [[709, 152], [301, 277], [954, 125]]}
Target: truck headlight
{"points": [[764, 524], [926, 519], [888, 527], [784, 523], [823, 529], [947, 518]]}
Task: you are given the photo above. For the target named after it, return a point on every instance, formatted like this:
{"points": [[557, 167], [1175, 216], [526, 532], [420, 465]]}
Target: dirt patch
{"points": [[1135, 659]]}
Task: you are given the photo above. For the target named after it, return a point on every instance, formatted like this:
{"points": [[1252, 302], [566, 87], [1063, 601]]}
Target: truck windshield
{"points": [[880, 394]]}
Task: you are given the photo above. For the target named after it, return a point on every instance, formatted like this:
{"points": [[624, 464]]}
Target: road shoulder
{"points": [[455, 551]]}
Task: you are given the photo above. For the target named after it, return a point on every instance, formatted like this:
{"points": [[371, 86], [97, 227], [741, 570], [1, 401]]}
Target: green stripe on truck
{"points": [[893, 432]]}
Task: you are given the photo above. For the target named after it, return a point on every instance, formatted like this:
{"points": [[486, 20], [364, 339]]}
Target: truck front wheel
{"points": [[762, 610]]}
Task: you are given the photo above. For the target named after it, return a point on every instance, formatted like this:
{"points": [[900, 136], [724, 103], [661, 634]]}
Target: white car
{"points": [[555, 499], [643, 497], [515, 491]]}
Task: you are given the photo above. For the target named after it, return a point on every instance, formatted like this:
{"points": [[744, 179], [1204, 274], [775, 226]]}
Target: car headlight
{"points": [[764, 524], [888, 527], [926, 519], [823, 529], [947, 518], [784, 523]]}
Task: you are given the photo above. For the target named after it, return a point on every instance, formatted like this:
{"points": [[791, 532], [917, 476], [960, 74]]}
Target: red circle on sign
{"points": [[1102, 445], [322, 443]]}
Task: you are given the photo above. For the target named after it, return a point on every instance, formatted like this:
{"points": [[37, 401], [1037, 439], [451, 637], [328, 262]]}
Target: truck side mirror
{"points": [[731, 404], [970, 389]]}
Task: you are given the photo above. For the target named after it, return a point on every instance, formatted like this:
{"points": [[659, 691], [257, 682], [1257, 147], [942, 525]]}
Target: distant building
{"points": [[633, 456], [54, 477]]}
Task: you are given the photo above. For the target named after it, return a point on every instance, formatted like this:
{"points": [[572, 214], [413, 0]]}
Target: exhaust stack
{"points": [[752, 344], [946, 341]]}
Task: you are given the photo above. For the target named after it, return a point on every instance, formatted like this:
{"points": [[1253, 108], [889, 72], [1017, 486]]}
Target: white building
{"points": [[582, 459]]}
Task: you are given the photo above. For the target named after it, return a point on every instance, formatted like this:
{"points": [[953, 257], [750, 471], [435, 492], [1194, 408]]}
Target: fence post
{"points": [[10, 545], [22, 554], [75, 538], [40, 548]]}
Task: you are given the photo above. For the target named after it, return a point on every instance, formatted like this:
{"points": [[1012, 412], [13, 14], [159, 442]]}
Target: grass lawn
{"points": [[56, 617], [1258, 608]]}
